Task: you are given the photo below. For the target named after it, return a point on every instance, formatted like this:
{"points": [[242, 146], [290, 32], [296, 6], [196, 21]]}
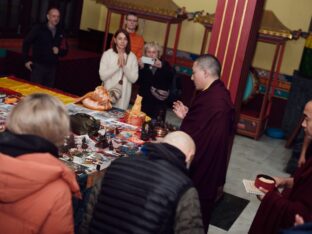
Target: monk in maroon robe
{"points": [[277, 210], [209, 121]]}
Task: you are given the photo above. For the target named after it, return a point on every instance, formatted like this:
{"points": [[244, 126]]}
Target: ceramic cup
{"points": [[265, 181]]}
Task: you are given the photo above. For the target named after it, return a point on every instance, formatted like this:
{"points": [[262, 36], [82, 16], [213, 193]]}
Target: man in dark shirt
{"points": [[47, 43]]}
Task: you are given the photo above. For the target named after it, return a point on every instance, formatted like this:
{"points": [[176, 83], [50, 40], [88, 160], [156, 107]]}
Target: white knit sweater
{"points": [[110, 74]]}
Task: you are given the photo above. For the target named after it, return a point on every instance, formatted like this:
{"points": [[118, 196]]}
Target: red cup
{"points": [[265, 181]]}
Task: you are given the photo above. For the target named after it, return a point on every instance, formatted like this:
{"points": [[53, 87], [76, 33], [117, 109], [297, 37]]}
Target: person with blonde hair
{"points": [[155, 82], [36, 188], [41, 115]]}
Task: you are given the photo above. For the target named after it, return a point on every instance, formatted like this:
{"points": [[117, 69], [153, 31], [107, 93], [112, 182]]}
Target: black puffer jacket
{"points": [[141, 195]]}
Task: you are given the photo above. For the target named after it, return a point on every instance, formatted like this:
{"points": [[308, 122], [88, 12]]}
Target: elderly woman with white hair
{"points": [[155, 81], [36, 188]]}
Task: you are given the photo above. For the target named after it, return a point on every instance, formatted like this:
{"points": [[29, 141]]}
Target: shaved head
{"points": [[183, 142], [309, 105], [307, 122], [53, 17]]}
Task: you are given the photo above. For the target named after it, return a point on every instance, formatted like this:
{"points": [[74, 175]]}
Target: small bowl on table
{"points": [[160, 132], [266, 182]]}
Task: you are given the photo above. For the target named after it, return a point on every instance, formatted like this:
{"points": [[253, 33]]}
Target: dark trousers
{"points": [[43, 74]]}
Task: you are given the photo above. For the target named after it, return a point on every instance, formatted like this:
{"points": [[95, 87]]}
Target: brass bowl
{"points": [[160, 132]]}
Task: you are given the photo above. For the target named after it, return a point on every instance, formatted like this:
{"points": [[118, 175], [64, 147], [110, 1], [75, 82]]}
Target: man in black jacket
{"points": [[149, 193], [47, 43]]}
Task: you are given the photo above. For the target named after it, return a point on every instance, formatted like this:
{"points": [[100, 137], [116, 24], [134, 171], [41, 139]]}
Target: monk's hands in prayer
{"points": [[180, 109], [121, 60]]}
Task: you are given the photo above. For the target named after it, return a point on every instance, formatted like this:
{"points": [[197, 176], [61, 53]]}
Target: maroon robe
{"points": [[277, 211], [209, 122]]}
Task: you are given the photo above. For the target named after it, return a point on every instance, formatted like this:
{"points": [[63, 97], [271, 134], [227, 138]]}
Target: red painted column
{"points": [[233, 41], [166, 38]]}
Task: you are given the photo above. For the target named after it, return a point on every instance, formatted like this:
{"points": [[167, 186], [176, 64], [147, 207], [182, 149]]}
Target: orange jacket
{"points": [[36, 194], [137, 44]]}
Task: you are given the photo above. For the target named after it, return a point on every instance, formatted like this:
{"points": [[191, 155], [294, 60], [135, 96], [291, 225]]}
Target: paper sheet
{"points": [[251, 188]]}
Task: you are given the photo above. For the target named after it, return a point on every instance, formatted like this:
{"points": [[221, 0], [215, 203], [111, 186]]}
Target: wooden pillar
{"points": [[108, 18], [275, 70], [205, 38], [166, 39], [176, 43], [122, 20], [233, 41]]}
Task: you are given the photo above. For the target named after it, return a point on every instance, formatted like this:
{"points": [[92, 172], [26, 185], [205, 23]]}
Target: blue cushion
{"points": [[275, 133]]}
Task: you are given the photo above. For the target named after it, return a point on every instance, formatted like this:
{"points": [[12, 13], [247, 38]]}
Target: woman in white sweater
{"points": [[119, 63]]}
